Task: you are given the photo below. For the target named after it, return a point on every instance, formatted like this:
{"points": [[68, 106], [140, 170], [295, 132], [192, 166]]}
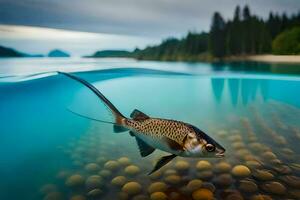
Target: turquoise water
{"points": [[255, 116]]}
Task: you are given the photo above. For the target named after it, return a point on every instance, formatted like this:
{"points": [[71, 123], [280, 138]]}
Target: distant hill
{"points": [[9, 52], [58, 53], [110, 53]]}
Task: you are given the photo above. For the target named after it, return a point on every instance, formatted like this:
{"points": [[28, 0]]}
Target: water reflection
{"points": [[247, 90]]}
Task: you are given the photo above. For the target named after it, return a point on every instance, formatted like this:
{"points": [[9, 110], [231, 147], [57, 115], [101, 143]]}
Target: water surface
{"points": [[254, 116]]}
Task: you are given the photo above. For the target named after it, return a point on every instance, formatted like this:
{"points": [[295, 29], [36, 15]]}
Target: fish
{"points": [[175, 137]]}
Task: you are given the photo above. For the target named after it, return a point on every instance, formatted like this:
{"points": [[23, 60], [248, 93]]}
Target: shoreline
{"points": [[268, 58]]}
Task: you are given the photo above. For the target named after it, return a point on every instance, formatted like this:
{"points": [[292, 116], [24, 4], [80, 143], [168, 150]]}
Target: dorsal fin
{"points": [[144, 148], [138, 115]]}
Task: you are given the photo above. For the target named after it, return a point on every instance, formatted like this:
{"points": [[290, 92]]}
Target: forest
{"points": [[244, 34]]}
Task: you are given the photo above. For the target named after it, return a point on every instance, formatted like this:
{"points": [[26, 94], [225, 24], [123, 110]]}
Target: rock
{"points": [[132, 188], [111, 165], [118, 181], [174, 196], [124, 161], [123, 196], [157, 187], [247, 186], [238, 145], [182, 166], [95, 193], [294, 193], [92, 167], [202, 194], [222, 167], [253, 164], [261, 197], [209, 186], [241, 171], [140, 197], [100, 160], [263, 175], [223, 180], [173, 179], [205, 175], [274, 188], [77, 197], [158, 196], [105, 173], [170, 172], [132, 170], [75, 181], [93, 182], [293, 181], [203, 165], [269, 155], [194, 185]]}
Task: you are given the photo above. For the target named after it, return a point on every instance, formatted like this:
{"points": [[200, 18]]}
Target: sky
{"points": [[83, 26]]}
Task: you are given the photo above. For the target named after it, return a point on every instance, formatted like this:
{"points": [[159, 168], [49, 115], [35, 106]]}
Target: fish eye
{"points": [[210, 147]]}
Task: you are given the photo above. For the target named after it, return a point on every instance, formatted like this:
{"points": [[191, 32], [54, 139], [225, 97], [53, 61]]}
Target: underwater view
{"points": [[49, 150]]}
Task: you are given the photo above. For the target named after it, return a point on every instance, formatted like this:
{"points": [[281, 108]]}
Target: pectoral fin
{"points": [[172, 144], [162, 161], [144, 148]]}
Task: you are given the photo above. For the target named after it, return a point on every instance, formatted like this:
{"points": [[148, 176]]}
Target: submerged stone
{"points": [[158, 196], [157, 187], [132, 188], [202, 194], [241, 171]]}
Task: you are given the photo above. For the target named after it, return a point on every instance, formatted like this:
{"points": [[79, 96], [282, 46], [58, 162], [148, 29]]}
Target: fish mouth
{"points": [[220, 153]]}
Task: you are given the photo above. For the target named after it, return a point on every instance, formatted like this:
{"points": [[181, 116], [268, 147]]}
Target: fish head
{"points": [[199, 144]]}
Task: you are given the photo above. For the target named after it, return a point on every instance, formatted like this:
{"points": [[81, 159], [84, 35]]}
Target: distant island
{"points": [[9, 52], [58, 53], [111, 53], [6, 52]]}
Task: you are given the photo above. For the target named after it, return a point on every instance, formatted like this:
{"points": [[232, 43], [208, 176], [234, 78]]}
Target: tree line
{"points": [[245, 34]]}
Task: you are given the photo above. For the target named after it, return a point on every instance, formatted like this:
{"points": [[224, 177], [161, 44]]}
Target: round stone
{"points": [[194, 185], [182, 166], [274, 188], [124, 161], [132, 170], [75, 180], [247, 186], [118, 181], [157, 187], [241, 171], [158, 196], [222, 167], [132, 188], [203, 165], [111, 165], [92, 167], [173, 179], [202, 194]]}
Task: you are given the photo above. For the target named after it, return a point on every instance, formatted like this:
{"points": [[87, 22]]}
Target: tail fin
{"points": [[119, 118]]}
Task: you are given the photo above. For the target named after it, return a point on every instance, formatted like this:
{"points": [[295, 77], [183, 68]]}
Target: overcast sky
{"points": [[144, 21]]}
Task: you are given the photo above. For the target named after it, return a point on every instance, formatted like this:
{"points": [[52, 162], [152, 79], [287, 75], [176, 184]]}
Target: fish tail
{"points": [[119, 120]]}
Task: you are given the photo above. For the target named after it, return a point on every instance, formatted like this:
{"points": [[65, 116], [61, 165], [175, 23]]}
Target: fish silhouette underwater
{"points": [[175, 137]]}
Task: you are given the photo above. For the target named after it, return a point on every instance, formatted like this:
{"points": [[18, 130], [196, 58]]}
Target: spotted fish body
{"points": [[154, 131], [176, 137]]}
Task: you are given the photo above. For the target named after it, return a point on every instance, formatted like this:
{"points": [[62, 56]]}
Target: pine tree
{"points": [[217, 36]]}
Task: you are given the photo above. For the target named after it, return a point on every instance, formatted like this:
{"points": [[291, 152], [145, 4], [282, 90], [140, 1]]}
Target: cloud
{"points": [[151, 18]]}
